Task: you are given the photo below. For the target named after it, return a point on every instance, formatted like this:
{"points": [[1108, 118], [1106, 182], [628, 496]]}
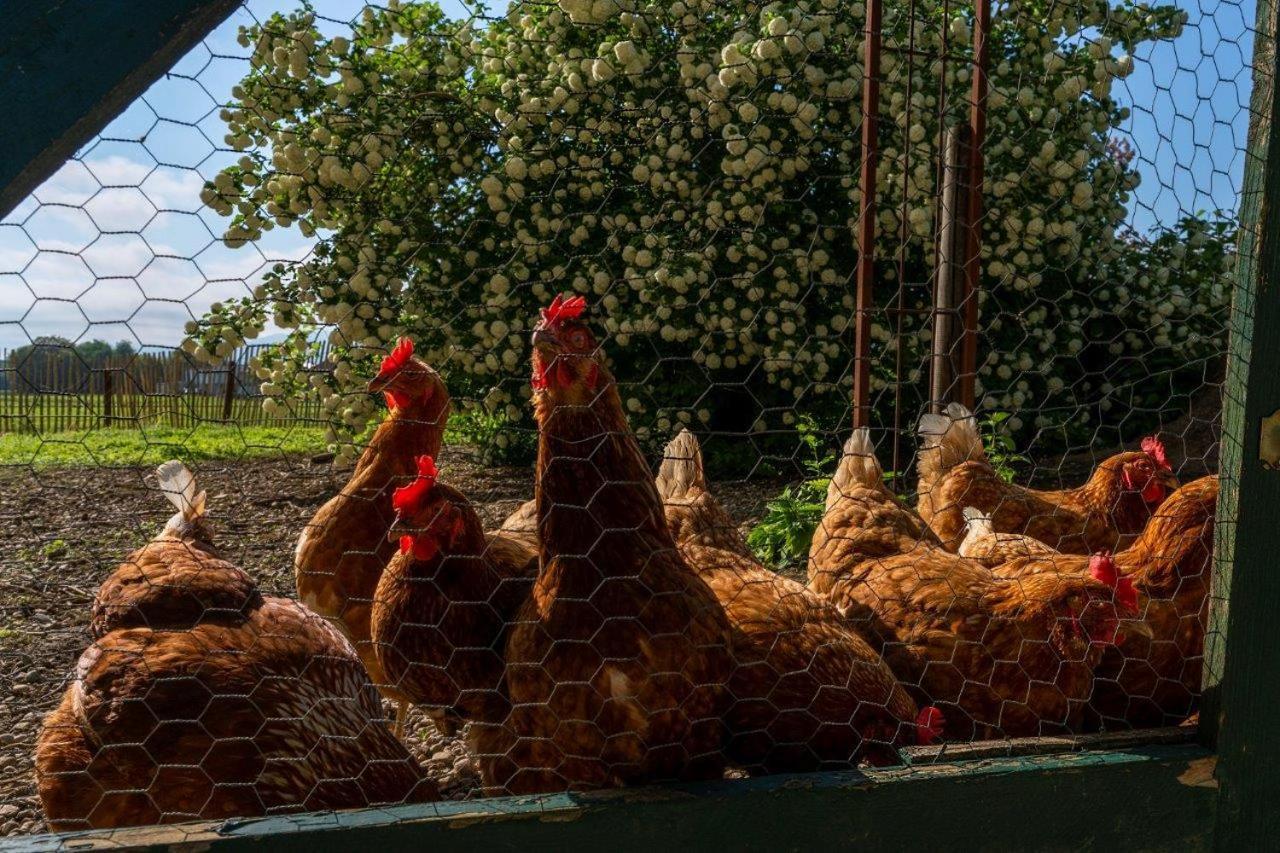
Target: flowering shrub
{"points": [[692, 167]]}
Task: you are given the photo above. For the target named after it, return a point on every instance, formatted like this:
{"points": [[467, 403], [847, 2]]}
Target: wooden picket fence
{"points": [[53, 390]]}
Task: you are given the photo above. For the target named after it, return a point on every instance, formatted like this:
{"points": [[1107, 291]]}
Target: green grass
{"points": [[151, 446]]}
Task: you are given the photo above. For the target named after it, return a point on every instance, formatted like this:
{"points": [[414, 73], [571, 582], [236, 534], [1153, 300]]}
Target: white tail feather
{"points": [[978, 526], [858, 467], [179, 486], [681, 468], [947, 440]]}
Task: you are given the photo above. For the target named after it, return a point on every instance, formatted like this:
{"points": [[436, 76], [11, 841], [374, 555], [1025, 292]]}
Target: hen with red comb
{"points": [[956, 476], [1002, 658], [343, 549], [618, 624], [1153, 677], [443, 605]]}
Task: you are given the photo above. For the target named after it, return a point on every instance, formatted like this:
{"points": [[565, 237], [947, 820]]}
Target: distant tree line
{"points": [[54, 363]]}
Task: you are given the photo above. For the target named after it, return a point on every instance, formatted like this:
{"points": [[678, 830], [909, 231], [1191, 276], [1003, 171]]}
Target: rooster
{"points": [[1007, 658], [809, 693], [202, 698], [444, 604], [1154, 681], [617, 664], [1117, 500], [344, 548]]}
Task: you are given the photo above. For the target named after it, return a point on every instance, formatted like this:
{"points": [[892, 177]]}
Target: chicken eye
{"points": [[578, 339]]}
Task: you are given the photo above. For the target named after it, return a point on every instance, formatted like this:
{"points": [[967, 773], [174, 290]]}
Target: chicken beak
{"points": [[1169, 481], [398, 528], [546, 341], [380, 382]]}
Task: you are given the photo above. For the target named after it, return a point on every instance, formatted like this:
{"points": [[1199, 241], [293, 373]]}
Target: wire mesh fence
{"points": [[710, 388]]}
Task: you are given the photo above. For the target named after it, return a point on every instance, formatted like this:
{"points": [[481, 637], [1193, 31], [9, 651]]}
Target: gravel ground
{"points": [[65, 530]]}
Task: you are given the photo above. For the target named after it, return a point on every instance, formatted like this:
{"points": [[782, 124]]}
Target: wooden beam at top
{"points": [[68, 67]]}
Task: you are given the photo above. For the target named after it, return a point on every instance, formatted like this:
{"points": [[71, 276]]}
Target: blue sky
{"points": [[61, 272]]}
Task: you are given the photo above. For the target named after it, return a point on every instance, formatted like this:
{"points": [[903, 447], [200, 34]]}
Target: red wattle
{"points": [[423, 548], [930, 723]]}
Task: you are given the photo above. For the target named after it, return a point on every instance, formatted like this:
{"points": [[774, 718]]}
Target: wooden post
{"points": [[1242, 658], [973, 250], [949, 270], [108, 384], [867, 217], [229, 393]]}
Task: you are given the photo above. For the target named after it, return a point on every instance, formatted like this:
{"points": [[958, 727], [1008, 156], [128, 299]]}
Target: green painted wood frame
{"points": [[1215, 788]]}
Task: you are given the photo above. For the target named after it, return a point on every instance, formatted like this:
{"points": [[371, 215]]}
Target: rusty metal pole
{"points": [[949, 266], [867, 216], [973, 249]]}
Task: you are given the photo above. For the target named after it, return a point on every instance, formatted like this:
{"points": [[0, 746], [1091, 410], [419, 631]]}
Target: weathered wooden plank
{"points": [[67, 67], [1242, 656], [1085, 801]]}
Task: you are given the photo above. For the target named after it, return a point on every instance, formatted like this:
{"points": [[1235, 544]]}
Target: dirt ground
{"points": [[64, 530]]}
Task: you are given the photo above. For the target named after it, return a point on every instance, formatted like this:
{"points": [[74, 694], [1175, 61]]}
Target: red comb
{"points": [[1103, 568], [408, 498], [562, 309], [930, 723], [1154, 447], [399, 357]]}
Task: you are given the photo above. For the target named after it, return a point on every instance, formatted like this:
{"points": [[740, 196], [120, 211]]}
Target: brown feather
{"points": [[344, 548], [617, 663], [255, 706]]}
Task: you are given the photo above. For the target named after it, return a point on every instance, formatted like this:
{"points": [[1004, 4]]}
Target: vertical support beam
{"points": [[867, 215], [108, 390], [1242, 657], [229, 391], [973, 252], [949, 269]]}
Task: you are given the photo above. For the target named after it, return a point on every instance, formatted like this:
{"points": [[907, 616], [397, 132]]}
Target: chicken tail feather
{"points": [[947, 440], [681, 468], [179, 486], [977, 526], [858, 467]]}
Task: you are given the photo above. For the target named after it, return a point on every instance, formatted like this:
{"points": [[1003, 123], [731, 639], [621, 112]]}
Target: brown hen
{"points": [[617, 664], [202, 698], [808, 692], [693, 514], [990, 548], [1155, 681], [344, 548], [1116, 501], [1002, 658], [443, 608]]}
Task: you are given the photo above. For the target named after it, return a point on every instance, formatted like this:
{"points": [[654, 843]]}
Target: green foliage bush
{"points": [[692, 167]]}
